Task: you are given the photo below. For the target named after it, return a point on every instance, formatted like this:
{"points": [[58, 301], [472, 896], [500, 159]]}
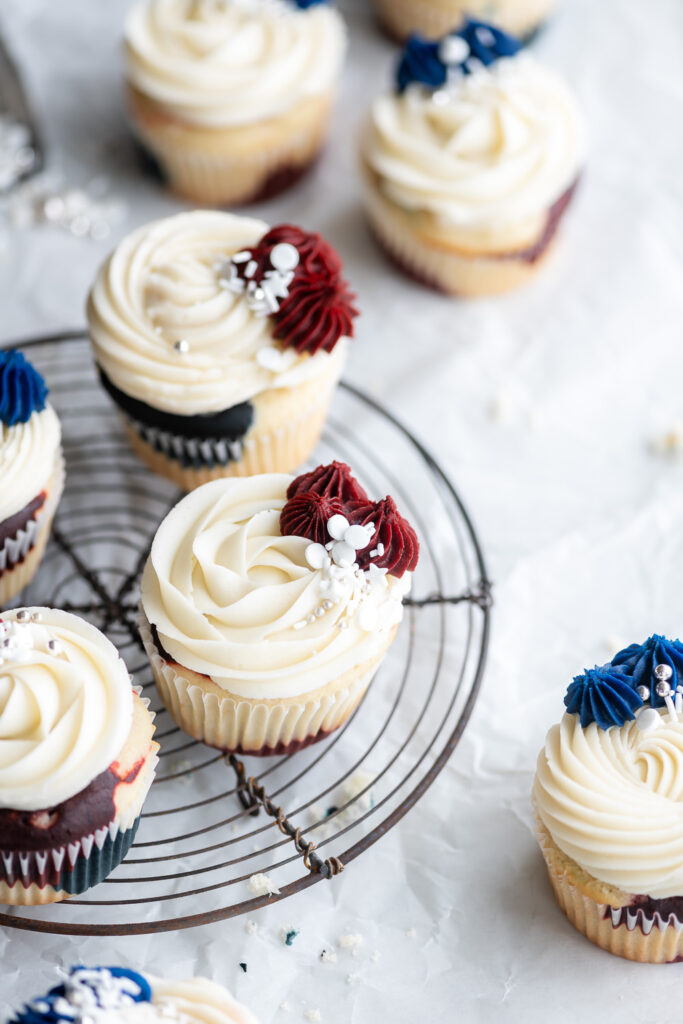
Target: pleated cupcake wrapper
{"points": [[71, 869], [190, 451], [233, 723], [280, 450], [21, 555], [624, 931], [434, 18], [229, 177], [448, 271]]}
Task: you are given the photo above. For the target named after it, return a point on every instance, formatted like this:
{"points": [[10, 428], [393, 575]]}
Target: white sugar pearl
{"points": [[453, 50], [269, 358], [337, 527], [343, 553], [357, 537], [648, 719], [284, 257], [241, 257], [316, 556]]}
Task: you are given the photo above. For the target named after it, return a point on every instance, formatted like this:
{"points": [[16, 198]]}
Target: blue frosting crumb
{"points": [[22, 390], [426, 61], [305, 4], [638, 662], [603, 695], [95, 987]]}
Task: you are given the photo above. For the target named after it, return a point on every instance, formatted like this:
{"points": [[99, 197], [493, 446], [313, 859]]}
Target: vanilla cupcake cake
{"points": [[269, 603], [221, 342], [232, 97], [31, 468], [470, 165], [76, 756], [608, 795], [433, 18], [112, 995]]}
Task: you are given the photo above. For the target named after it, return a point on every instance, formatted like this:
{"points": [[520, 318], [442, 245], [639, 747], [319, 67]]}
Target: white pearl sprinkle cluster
{"points": [[649, 718], [92, 995], [24, 635], [341, 573], [264, 295], [455, 53]]}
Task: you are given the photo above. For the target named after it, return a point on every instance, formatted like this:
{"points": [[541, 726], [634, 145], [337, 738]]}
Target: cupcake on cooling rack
{"points": [[434, 18], [470, 164], [76, 756], [118, 994], [221, 342], [269, 603], [608, 795], [232, 97], [31, 470]]}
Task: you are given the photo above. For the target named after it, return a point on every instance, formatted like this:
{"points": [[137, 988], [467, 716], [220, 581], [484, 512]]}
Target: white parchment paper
{"points": [[541, 406]]}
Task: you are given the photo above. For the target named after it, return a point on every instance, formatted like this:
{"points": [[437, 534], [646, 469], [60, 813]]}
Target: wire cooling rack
{"points": [[211, 822]]}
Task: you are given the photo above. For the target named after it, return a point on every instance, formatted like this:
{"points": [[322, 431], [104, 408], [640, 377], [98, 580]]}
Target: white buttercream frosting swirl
{"points": [[612, 799], [230, 62], [162, 285], [197, 1000], [233, 599], [492, 148], [66, 707], [28, 456]]}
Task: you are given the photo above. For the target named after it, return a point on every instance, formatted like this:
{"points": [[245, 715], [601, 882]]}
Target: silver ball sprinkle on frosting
{"points": [[643, 693], [181, 345], [663, 689], [663, 672]]}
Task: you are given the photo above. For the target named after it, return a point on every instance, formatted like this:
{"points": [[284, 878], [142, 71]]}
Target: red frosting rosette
{"points": [[332, 490], [295, 276]]}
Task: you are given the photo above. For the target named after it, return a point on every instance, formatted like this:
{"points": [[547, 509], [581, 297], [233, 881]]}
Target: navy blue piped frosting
{"points": [[638, 663], [427, 61], [96, 988], [602, 695], [22, 390], [305, 4]]}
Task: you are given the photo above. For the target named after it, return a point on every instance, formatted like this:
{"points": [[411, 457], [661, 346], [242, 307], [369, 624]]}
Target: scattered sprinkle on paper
{"points": [[670, 443], [243, 966], [288, 935], [251, 927], [262, 885], [328, 956], [351, 940]]}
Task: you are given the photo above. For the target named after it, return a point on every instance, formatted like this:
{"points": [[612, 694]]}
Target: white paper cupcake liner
{"points": [[237, 724], [21, 555]]}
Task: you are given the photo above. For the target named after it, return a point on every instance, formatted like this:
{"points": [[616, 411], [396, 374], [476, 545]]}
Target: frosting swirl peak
{"points": [[66, 707]]}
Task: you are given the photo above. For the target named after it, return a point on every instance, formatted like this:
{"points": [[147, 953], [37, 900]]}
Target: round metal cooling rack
{"points": [[211, 822]]}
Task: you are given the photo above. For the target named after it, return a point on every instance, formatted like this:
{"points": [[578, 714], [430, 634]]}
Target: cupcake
{"points": [[268, 604], [118, 994], [434, 18], [232, 97], [608, 798], [32, 471], [76, 756], [470, 164], [221, 341]]}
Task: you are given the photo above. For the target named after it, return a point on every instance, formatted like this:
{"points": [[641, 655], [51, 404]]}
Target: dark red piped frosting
{"points": [[334, 480], [318, 309], [313, 498], [393, 534], [306, 515]]}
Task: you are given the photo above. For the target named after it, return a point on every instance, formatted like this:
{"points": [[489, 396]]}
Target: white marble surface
{"points": [[540, 405]]}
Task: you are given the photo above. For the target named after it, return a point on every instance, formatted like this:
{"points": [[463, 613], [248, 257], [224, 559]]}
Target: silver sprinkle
{"points": [[663, 689], [643, 693], [23, 615], [663, 672], [182, 345]]}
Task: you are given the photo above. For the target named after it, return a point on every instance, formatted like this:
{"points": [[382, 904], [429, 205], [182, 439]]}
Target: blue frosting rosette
{"points": [[602, 695], [475, 45], [22, 390], [640, 664], [86, 988]]}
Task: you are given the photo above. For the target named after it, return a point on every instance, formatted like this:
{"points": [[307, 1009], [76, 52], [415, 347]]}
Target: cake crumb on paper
{"points": [[328, 956], [262, 885], [313, 1015], [351, 940], [251, 927], [670, 443]]}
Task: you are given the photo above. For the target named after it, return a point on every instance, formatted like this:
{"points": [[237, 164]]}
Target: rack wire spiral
{"points": [[212, 821]]}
